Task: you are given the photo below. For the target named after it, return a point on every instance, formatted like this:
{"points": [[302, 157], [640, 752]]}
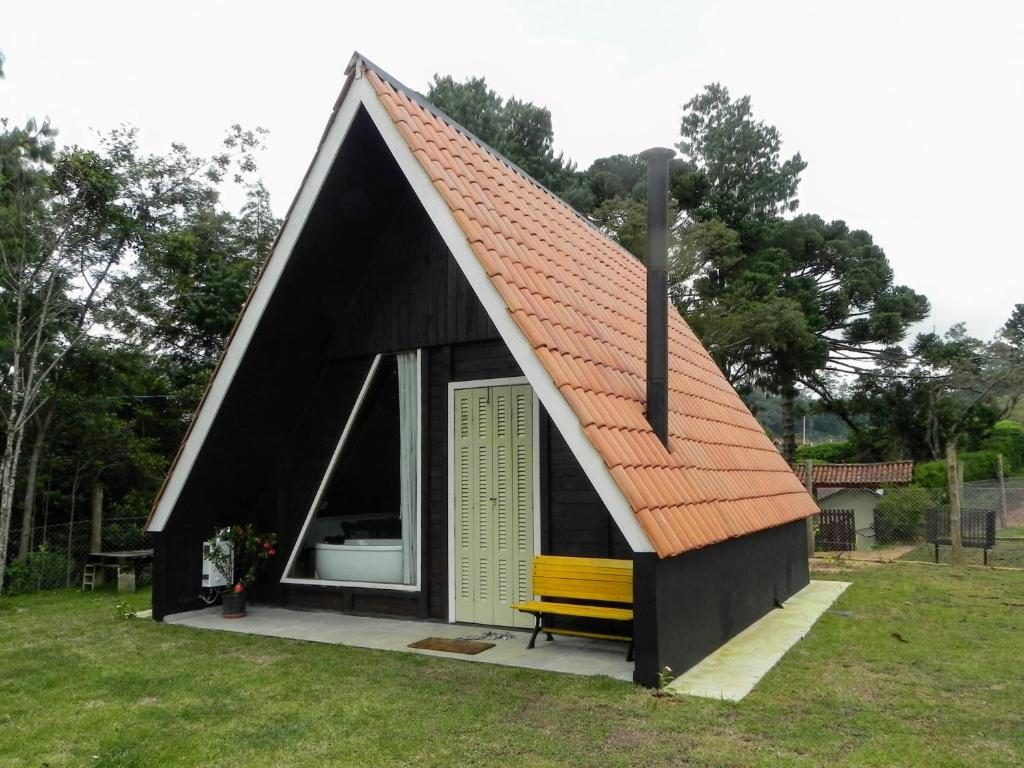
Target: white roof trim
{"points": [[361, 93], [251, 314]]}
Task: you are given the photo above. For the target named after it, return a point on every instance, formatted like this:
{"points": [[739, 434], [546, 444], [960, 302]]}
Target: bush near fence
{"points": [[58, 553], [978, 465], [41, 569], [1007, 438], [900, 515]]}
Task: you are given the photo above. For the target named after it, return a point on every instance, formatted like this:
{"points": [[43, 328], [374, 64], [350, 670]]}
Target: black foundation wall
{"points": [[688, 605]]}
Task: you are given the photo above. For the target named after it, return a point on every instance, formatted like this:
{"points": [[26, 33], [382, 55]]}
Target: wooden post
{"points": [[953, 479], [809, 482], [96, 532], [96, 529], [1002, 491]]}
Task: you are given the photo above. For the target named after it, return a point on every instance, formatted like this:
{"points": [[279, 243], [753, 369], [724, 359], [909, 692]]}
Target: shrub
{"points": [[900, 515], [930, 474], [1007, 438], [41, 569], [978, 465]]}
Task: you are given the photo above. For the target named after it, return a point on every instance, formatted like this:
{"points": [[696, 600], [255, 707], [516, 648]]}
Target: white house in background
{"points": [[848, 494], [860, 501]]}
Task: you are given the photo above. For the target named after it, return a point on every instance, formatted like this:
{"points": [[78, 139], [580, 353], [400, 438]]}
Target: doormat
{"points": [[469, 647]]}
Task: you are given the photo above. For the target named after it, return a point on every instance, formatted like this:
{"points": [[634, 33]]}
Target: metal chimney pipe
{"points": [[657, 288]]}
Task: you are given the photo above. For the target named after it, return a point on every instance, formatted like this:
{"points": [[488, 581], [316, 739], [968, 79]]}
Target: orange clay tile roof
{"points": [[858, 475], [579, 298]]}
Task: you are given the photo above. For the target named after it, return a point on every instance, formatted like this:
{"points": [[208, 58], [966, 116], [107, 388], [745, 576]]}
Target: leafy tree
{"points": [[192, 278], [954, 389], [116, 423], [77, 228], [519, 130], [34, 310]]}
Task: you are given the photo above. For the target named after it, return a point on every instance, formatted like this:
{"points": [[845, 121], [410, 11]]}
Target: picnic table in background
{"points": [[126, 562]]}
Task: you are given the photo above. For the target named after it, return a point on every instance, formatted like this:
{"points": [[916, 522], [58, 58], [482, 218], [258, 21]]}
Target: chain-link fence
{"points": [[1006, 497], [912, 523], [58, 553]]}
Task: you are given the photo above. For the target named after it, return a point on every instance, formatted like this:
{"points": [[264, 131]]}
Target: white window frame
{"points": [[328, 475], [473, 384]]}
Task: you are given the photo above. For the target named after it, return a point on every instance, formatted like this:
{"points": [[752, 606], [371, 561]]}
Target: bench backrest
{"points": [[977, 527], [583, 578]]}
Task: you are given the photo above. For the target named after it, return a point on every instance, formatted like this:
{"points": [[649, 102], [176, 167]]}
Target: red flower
{"points": [[272, 552], [239, 588]]}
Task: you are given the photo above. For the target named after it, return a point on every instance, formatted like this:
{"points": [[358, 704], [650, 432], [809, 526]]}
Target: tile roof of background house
{"points": [[580, 300], [858, 475]]}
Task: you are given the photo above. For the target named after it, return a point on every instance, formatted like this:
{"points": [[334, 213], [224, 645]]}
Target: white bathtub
{"points": [[373, 560]]}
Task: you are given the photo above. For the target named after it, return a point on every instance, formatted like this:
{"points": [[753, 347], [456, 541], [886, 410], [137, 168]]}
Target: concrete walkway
{"points": [[733, 670], [573, 655]]}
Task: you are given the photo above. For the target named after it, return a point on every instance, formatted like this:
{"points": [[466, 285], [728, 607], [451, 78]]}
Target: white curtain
{"points": [[408, 410]]}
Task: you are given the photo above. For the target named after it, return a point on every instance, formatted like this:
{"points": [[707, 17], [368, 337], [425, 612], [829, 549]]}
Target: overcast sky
{"points": [[909, 114]]}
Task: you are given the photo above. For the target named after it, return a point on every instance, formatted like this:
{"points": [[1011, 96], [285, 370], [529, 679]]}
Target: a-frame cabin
{"points": [[440, 373]]}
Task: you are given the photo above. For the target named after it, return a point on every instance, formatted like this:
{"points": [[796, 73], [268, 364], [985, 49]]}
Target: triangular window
{"points": [[364, 522]]}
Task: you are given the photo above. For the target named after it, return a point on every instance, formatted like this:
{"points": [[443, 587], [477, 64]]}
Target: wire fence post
{"points": [[70, 556], [1002, 491], [809, 482], [953, 478]]}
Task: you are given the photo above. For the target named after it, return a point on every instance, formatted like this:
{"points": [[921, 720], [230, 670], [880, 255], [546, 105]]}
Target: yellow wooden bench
{"points": [[581, 578]]}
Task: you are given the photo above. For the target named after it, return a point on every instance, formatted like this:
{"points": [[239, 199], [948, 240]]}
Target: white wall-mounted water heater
{"points": [[212, 577]]}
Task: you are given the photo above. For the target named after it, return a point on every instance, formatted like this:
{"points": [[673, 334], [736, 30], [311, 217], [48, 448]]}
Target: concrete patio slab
{"points": [[733, 670], [571, 655]]}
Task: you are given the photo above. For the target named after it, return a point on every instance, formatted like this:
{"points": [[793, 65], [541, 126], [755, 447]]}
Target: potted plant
{"points": [[239, 553]]}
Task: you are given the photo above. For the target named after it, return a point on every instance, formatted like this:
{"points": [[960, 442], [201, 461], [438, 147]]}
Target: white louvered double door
{"points": [[493, 503]]}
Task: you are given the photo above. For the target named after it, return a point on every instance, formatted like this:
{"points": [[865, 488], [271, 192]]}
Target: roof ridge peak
{"points": [[358, 60]]}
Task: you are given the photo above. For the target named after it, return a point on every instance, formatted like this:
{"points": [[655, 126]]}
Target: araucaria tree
{"points": [[781, 302]]}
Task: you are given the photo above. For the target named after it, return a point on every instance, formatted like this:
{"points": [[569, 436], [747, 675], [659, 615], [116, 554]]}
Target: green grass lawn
{"points": [[81, 688]]}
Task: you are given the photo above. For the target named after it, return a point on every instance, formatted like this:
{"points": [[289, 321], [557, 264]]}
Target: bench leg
{"points": [[536, 631]]}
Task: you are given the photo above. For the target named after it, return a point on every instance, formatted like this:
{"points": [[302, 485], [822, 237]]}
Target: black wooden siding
{"points": [[369, 274], [688, 605]]}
